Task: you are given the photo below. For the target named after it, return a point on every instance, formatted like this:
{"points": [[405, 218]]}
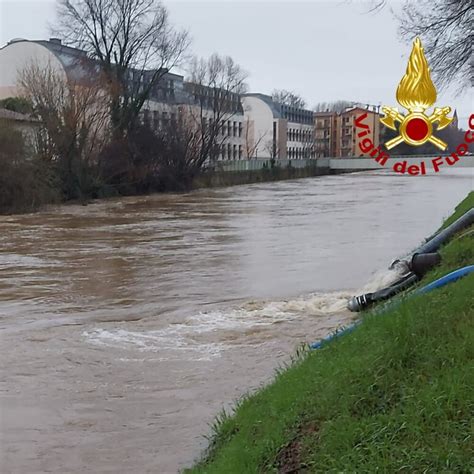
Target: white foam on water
{"points": [[181, 337], [384, 278], [318, 304], [185, 340], [153, 341], [14, 260], [235, 319]]}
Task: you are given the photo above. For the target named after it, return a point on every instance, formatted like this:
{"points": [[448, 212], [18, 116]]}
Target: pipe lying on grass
{"points": [[449, 278], [440, 282], [435, 242], [423, 259]]}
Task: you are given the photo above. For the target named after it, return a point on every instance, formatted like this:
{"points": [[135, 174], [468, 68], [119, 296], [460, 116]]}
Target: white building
{"points": [[254, 127], [19, 54], [274, 130], [170, 97]]}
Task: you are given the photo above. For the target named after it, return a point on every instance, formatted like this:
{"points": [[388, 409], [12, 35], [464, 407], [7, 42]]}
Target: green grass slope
{"points": [[394, 395]]}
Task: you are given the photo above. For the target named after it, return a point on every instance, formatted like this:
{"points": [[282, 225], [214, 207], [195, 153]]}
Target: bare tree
{"points": [[73, 119], [445, 27], [215, 86], [336, 106], [286, 97], [272, 149], [133, 44], [181, 152]]}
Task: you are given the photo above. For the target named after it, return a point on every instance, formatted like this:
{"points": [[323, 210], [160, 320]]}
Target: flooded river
{"points": [[127, 325]]}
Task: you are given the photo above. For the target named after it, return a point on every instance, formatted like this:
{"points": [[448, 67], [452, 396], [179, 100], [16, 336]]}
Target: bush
{"points": [[147, 161], [17, 104], [25, 184]]}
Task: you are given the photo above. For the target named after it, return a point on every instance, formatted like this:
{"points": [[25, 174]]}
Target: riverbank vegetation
{"points": [[394, 395]]}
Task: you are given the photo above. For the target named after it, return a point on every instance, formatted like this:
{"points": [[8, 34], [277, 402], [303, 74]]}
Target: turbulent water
{"points": [[128, 324]]}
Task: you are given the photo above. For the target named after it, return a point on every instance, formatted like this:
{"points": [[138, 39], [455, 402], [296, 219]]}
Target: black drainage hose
{"points": [[424, 258], [435, 242], [358, 303]]}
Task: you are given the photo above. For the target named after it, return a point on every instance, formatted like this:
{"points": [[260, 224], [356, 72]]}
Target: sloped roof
{"points": [[351, 110], [274, 106], [78, 66]]}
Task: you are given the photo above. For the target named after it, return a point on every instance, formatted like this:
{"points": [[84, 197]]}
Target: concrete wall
{"points": [[254, 165], [339, 164], [371, 164]]}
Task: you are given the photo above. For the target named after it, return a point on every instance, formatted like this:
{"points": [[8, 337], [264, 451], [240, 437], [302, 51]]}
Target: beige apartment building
{"points": [[336, 133], [325, 133]]}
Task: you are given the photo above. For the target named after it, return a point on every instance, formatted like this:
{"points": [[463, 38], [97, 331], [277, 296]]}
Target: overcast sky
{"points": [[323, 50]]}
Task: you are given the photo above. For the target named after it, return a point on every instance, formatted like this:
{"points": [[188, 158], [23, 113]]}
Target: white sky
{"points": [[323, 50]]}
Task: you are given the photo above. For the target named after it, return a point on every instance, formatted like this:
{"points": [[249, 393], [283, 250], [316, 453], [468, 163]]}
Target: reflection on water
{"points": [[127, 324]]}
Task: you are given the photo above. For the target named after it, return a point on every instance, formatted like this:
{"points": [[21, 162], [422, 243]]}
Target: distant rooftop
{"points": [[279, 110], [16, 116]]}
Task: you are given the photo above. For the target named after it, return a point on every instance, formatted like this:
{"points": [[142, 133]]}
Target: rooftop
{"points": [[16, 116]]}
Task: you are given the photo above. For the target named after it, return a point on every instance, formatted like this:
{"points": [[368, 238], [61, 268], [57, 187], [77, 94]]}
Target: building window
{"points": [[240, 152], [240, 129]]}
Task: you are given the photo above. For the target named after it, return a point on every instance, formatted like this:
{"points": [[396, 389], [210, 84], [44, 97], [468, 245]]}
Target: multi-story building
{"points": [[218, 105], [274, 130], [336, 133], [251, 126], [347, 140], [325, 133], [169, 98]]}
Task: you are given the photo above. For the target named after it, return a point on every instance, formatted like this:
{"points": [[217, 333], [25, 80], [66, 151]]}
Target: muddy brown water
{"points": [[126, 325]]}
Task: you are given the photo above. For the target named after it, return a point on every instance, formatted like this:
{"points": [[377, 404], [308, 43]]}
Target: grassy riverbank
{"points": [[394, 395]]}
